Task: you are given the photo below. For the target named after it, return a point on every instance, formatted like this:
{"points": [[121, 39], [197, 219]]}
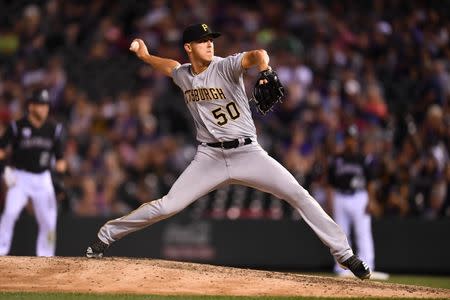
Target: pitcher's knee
{"points": [[167, 206], [298, 195]]}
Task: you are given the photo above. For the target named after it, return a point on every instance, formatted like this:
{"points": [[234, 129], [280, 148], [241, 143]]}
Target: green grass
{"points": [[431, 281], [77, 296]]}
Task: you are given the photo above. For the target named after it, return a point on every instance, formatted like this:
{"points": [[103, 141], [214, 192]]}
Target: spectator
{"points": [[386, 70]]}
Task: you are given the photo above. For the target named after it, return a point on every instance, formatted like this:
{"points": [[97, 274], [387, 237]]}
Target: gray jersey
{"points": [[217, 100]]}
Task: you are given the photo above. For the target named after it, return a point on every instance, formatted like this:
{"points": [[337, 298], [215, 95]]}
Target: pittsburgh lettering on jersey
{"points": [[204, 94]]}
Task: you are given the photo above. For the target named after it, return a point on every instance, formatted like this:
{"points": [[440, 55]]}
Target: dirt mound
{"points": [[158, 277]]}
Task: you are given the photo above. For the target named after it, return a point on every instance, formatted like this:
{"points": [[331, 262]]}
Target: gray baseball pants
{"points": [[247, 165]]}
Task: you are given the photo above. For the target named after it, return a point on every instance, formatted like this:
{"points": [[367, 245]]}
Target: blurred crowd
{"points": [[382, 65]]}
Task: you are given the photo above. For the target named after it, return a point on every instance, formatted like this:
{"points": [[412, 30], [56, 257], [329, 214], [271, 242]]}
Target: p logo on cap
{"points": [[197, 32]]}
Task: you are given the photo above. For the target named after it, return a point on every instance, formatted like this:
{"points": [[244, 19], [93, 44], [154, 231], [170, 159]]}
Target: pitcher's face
{"points": [[202, 50]]}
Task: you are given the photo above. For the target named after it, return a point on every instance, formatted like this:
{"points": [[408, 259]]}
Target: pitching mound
{"points": [[158, 277]]}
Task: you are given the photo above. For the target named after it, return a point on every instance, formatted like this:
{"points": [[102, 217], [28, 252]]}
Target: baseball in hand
{"points": [[134, 46]]}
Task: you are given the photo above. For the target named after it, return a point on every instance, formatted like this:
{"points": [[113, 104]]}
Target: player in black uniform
{"points": [[350, 179], [36, 146]]}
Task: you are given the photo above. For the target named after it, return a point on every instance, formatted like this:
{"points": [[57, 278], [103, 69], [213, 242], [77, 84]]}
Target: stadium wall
{"points": [[401, 245]]}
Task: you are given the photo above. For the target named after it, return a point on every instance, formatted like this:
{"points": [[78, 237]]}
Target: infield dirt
{"points": [[158, 277]]}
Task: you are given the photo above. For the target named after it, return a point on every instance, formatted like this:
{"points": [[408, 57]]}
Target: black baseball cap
{"points": [[39, 97], [197, 32]]}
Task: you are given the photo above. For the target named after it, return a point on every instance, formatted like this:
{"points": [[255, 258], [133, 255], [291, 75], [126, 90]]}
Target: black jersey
{"points": [[33, 149], [349, 173]]}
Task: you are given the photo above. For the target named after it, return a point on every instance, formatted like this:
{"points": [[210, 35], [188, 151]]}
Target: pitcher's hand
{"points": [[141, 50]]}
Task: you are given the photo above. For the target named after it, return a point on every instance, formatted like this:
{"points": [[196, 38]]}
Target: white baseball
{"points": [[134, 46]]}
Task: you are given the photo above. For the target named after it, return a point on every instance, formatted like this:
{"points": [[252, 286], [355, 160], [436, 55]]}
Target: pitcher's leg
{"points": [[203, 175], [14, 203], [264, 173]]}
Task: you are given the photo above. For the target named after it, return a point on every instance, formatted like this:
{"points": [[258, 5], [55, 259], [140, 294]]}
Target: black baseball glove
{"points": [[268, 90]]}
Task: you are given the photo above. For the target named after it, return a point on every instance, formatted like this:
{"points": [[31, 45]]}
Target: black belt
{"points": [[229, 144]]}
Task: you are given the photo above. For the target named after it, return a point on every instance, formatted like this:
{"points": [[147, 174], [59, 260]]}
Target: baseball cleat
{"points": [[96, 249], [357, 267]]}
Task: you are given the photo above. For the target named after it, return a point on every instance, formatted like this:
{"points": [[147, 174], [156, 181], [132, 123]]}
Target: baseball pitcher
{"points": [[35, 143], [228, 151]]}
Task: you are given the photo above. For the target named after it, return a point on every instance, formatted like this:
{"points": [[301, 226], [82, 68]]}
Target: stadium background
{"points": [[383, 65]]}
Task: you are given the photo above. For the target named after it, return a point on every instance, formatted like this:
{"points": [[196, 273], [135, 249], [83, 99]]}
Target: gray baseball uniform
{"points": [[218, 103]]}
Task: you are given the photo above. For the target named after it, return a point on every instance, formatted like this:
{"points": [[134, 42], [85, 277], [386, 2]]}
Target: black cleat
{"points": [[96, 249], [357, 266]]}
